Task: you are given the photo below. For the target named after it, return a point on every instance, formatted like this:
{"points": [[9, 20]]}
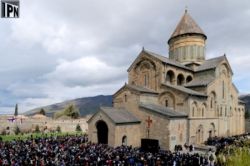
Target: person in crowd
{"points": [[76, 150]]}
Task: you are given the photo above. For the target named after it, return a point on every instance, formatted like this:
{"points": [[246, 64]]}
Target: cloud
{"points": [[86, 71], [59, 50]]}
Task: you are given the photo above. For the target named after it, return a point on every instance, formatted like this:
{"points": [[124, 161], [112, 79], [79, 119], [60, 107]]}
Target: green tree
{"points": [[37, 129], [70, 111], [16, 110], [42, 111], [78, 128]]}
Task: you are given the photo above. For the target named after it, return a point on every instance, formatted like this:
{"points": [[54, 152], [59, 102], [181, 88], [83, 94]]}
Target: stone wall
{"points": [[29, 124]]}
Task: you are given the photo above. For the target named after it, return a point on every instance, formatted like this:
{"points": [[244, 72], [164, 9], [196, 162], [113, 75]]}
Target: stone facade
{"points": [[187, 98]]}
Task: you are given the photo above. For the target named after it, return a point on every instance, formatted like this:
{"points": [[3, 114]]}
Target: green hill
{"points": [[86, 105]]}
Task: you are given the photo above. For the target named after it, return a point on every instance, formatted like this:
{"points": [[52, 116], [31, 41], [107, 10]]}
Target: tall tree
{"points": [[16, 110], [42, 112]]}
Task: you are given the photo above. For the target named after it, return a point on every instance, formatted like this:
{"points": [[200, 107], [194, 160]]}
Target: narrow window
{"points": [[223, 89], [146, 80], [166, 103], [125, 98], [211, 102]]}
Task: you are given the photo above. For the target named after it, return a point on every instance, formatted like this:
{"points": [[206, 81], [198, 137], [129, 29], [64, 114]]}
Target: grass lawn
{"points": [[35, 135]]}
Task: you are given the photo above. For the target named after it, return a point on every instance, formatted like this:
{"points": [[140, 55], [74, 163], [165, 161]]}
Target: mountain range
{"points": [[90, 105], [86, 105], [246, 99]]}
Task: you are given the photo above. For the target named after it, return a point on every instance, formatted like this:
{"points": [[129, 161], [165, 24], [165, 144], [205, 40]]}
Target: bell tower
{"points": [[188, 41]]}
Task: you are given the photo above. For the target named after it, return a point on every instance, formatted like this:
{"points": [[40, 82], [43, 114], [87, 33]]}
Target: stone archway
{"points": [[211, 131], [102, 132], [124, 140], [199, 135]]}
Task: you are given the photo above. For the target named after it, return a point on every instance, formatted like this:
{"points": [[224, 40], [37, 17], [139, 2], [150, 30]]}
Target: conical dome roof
{"points": [[187, 25]]}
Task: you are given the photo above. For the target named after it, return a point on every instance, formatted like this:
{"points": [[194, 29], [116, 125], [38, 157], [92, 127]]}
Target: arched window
{"points": [[166, 102], [194, 109], [188, 79], [170, 77], [212, 98], [167, 99], [180, 79], [146, 79], [203, 109], [125, 98], [223, 89]]}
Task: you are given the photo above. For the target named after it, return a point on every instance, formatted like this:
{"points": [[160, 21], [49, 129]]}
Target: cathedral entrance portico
{"points": [[102, 132]]}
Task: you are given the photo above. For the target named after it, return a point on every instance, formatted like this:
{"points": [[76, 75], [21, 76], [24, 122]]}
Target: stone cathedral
{"points": [[182, 98]]}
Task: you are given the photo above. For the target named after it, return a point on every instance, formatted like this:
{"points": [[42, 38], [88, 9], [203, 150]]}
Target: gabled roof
{"points": [[200, 81], [212, 64], [118, 115], [185, 90], [170, 113], [161, 58], [187, 25], [167, 60], [137, 88]]}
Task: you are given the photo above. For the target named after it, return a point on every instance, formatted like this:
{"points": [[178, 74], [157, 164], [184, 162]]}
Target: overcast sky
{"points": [[59, 50]]}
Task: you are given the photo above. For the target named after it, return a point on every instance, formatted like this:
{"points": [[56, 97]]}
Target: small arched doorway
{"points": [[102, 132], [211, 131], [124, 140], [199, 135]]}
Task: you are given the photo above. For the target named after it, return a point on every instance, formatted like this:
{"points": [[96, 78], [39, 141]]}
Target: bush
{"points": [[3, 132], [58, 129], [42, 112], [239, 157], [78, 128]]}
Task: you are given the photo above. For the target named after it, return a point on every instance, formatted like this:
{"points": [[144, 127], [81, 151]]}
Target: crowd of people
{"points": [[75, 150], [221, 142]]}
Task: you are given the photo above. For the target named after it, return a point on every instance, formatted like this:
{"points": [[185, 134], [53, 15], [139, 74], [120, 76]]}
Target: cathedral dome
{"points": [[187, 43]]}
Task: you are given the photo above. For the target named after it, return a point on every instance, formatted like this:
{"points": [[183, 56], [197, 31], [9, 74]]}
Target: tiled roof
{"points": [[200, 81], [167, 60], [141, 88], [119, 116], [185, 90], [163, 110], [187, 25], [210, 63], [137, 88]]}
